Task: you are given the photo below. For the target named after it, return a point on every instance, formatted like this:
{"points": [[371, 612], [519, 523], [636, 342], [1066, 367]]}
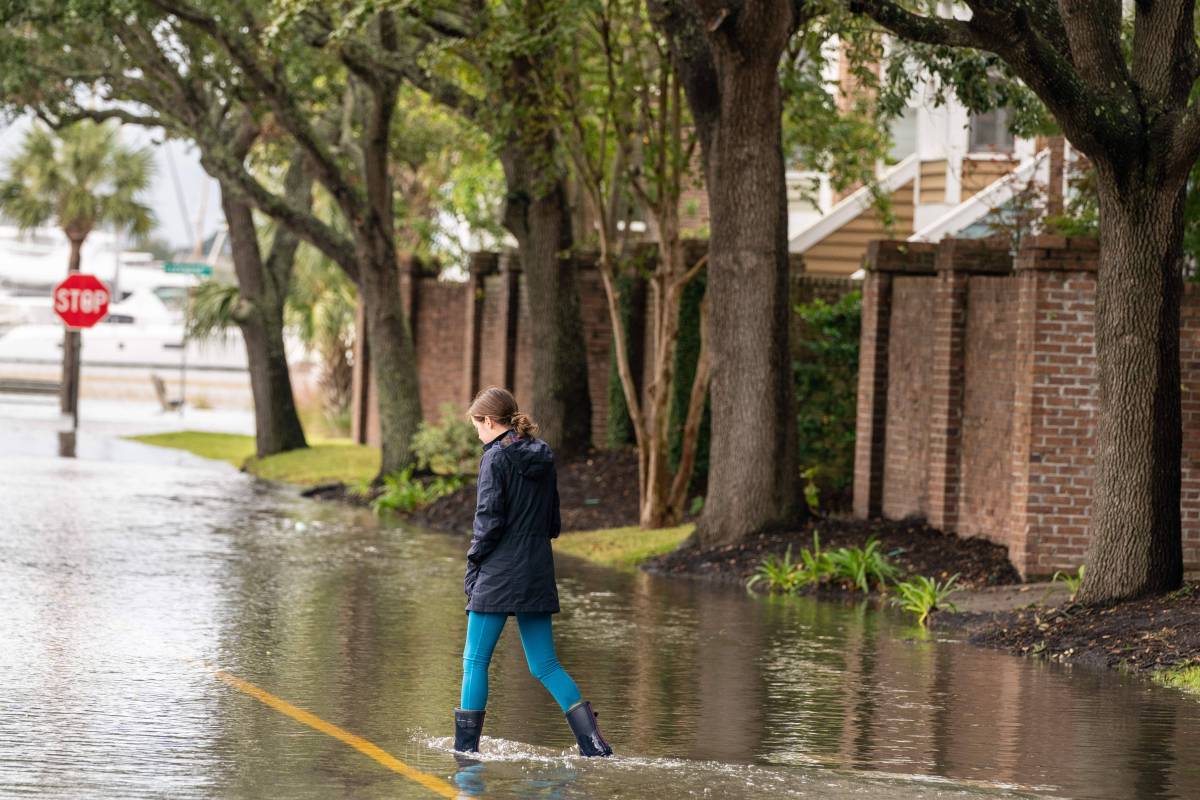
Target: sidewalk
{"points": [[30, 426]]}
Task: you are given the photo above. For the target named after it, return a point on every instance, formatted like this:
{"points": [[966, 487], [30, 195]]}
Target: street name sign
{"points": [[81, 300], [188, 268]]}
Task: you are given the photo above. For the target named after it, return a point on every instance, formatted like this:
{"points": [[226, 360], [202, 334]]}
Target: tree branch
{"points": [[917, 28], [277, 97]]}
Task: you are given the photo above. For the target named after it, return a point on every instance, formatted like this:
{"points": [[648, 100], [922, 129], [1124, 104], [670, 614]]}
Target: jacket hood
{"points": [[532, 457]]}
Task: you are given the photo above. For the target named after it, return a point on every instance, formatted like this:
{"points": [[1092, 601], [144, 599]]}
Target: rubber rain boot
{"points": [[468, 725], [582, 720]]}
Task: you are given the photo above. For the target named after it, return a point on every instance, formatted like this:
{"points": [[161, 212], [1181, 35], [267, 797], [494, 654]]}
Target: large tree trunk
{"points": [[728, 63], [1136, 547], [537, 214], [393, 358], [259, 316]]}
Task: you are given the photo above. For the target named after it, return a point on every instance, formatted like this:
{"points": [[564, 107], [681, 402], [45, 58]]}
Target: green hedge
{"points": [[826, 375]]}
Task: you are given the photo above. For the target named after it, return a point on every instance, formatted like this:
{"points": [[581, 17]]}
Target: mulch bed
{"points": [[1148, 634], [918, 550]]}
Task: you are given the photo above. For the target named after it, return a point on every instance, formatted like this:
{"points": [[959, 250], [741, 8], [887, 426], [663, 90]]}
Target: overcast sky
{"points": [[169, 204]]}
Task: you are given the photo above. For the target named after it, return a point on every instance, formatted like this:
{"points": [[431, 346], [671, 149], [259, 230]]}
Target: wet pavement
{"points": [[126, 579]]}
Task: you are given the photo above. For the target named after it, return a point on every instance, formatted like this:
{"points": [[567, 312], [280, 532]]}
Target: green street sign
{"points": [[187, 268]]}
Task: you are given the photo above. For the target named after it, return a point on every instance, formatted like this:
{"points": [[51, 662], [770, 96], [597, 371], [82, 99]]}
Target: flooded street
{"points": [[125, 583]]}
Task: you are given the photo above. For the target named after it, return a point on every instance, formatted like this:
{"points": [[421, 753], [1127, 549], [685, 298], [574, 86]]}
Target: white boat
{"points": [[140, 331]]}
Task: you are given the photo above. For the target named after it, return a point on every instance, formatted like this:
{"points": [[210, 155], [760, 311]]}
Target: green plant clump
{"points": [[779, 574], [1072, 581], [402, 493], [449, 447], [860, 567], [825, 372], [922, 595], [855, 567]]}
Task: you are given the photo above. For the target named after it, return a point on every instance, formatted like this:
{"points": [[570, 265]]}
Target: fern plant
{"points": [[779, 574], [861, 566], [922, 595], [1072, 581], [402, 493]]}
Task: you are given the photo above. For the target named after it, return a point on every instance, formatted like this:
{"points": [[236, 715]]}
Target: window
{"points": [[904, 135], [990, 133]]}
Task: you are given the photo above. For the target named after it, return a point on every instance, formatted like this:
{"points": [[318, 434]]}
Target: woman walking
{"points": [[510, 568]]}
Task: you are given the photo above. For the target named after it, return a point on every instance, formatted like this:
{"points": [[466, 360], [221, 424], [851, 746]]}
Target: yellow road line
{"points": [[430, 782]]}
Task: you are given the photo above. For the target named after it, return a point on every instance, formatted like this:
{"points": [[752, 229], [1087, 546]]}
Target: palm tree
{"points": [[81, 178]]}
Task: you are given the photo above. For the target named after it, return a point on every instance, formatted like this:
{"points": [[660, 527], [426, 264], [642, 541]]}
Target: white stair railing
{"points": [[984, 202], [854, 204]]}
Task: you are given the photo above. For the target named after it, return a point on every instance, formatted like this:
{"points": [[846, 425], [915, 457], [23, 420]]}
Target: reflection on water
{"points": [[112, 577]]}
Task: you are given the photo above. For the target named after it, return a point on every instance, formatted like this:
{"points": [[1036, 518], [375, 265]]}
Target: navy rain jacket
{"points": [[510, 566]]}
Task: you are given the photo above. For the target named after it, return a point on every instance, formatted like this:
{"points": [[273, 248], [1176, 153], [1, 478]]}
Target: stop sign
{"points": [[81, 300]]}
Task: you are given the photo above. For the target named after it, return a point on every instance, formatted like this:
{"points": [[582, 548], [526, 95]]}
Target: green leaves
{"points": [[826, 381], [402, 493], [212, 309], [922, 595], [449, 447], [855, 567], [79, 178]]}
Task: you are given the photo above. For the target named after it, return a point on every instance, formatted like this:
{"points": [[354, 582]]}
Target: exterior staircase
{"points": [[836, 243]]}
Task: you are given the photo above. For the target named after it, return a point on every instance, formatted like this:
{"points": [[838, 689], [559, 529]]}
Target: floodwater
{"points": [[123, 584]]}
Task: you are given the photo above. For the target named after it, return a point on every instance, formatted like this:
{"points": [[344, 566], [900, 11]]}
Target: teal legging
{"points": [[483, 631]]}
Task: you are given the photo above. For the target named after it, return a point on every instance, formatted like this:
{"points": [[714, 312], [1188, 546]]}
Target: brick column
{"points": [[884, 259], [510, 286], [479, 266], [956, 260], [410, 268], [1053, 404]]}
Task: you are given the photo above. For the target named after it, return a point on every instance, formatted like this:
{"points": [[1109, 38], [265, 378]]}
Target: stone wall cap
{"points": [[991, 255], [899, 255]]}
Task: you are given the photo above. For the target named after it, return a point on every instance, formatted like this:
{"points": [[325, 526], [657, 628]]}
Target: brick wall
{"points": [[1060, 428], [909, 367], [1189, 359], [597, 339], [478, 333], [440, 345], [989, 386], [977, 404]]}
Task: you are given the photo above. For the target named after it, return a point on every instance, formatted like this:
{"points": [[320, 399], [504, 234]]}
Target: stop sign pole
{"points": [[80, 301]]}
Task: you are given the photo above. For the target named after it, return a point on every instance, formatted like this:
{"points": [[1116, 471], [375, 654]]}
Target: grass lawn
{"points": [[232, 447], [325, 461], [1186, 678], [622, 548]]}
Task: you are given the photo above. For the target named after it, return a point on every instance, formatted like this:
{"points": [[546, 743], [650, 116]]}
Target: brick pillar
{"points": [[411, 270], [956, 260], [510, 285], [884, 259], [1053, 404], [1058, 165], [479, 266]]}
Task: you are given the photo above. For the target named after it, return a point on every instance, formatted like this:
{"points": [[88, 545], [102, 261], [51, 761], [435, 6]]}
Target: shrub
{"points": [[921, 595], [826, 383], [859, 567], [780, 574], [786, 575], [448, 448], [855, 566], [402, 493], [1072, 581]]}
